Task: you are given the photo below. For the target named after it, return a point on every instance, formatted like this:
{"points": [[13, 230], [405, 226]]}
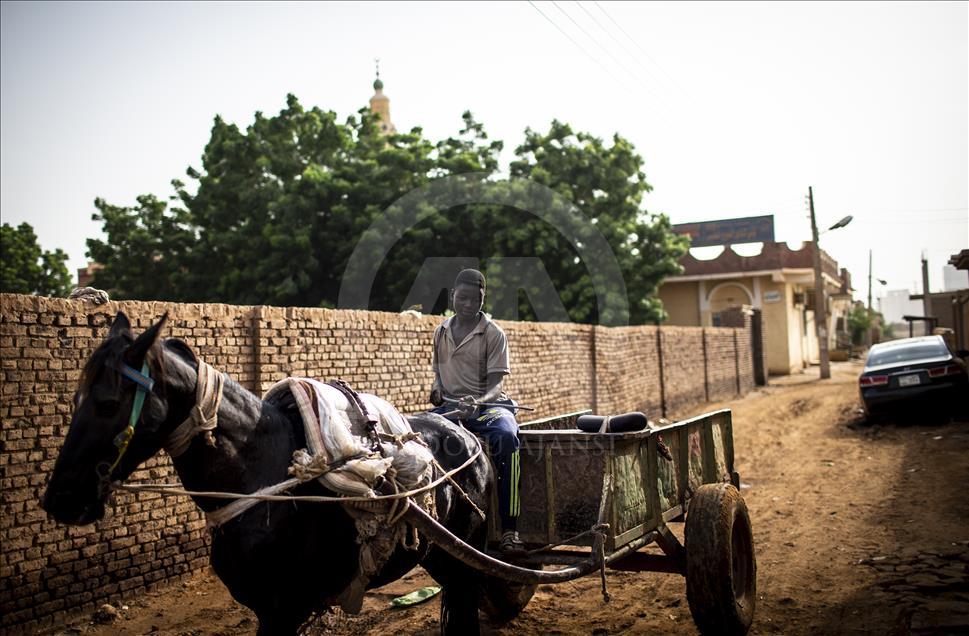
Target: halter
{"points": [[121, 441]]}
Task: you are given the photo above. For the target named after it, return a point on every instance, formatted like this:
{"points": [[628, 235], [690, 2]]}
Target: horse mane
{"points": [[179, 347]]}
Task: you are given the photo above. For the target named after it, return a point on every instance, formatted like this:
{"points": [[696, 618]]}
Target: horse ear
{"points": [[120, 326], [135, 354]]}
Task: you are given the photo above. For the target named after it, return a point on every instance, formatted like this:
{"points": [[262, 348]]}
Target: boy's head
{"points": [[469, 292]]}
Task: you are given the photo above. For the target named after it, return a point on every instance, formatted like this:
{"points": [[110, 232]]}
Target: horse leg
{"points": [[278, 622], [459, 610]]}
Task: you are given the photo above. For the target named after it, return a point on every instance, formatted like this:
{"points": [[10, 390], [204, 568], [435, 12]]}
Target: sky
{"points": [[736, 108]]}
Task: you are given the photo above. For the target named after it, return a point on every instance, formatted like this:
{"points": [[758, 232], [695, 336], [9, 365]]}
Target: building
{"points": [[380, 104], [779, 282], [954, 279], [948, 311], [896, 304]]}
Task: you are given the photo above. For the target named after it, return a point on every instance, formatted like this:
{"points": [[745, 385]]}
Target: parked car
{"points": [[914, 374]]}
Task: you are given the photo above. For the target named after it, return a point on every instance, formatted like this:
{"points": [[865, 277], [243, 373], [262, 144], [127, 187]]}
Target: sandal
{"points": [[511, 545]]}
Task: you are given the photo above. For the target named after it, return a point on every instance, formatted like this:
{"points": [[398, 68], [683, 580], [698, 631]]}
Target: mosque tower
{"points": [[380, 104]]}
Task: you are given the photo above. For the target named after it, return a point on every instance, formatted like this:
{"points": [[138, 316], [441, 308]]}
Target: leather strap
{"points": [[362, 410]]}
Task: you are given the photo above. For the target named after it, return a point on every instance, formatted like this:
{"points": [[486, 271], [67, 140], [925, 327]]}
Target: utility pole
{"points": [[868, 339], [926, 301], [820, 307]]}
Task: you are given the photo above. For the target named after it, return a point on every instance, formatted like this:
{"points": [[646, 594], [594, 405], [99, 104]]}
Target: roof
{"points": [[960, 260]]}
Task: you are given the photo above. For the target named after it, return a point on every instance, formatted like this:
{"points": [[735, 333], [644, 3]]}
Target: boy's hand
{"points": [[468, 407]]}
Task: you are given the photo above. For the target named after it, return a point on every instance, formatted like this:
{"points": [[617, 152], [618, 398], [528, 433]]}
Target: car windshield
{"points": [[906, 353]]}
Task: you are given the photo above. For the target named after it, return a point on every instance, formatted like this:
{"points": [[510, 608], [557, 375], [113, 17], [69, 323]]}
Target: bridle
{"points": [[202, 419], [145, 384]]}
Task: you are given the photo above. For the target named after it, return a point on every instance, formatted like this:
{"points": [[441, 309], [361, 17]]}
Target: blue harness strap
{"points": [[145, 384], [140, 378]]}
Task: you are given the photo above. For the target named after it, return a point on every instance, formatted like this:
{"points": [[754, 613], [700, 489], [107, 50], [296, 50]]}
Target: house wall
{"points": [[681, 302], [49, 571]]}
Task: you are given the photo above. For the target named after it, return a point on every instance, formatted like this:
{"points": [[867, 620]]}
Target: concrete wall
{"points": [[681, 302], [48, 571]]}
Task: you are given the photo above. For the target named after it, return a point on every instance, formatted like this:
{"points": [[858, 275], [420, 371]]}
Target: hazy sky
{"points": [[736, 108]]}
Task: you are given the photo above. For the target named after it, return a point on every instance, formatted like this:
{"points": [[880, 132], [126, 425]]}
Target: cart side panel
{"points": [[695, 441], [578, 491], [561, 487], [630, 507], [719, 450], [533, 522], [667, 474]]}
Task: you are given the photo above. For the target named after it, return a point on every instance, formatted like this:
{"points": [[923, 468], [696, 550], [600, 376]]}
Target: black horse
{"points": [[282, 560]]}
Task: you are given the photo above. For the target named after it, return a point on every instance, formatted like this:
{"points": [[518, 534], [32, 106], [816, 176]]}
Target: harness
{"points": [[123, 439], [203, 417]]}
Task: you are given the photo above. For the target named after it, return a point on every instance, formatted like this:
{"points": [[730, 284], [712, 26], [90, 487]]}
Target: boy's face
{"points": [[467, 301]]}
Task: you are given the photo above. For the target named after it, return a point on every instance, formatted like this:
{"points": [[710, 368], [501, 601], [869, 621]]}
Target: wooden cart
{"points": [[590, 501]]}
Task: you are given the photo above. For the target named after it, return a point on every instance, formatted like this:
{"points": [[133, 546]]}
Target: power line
{"points": [[596, 42], [636, 44], [573, 41], [625, 48]]}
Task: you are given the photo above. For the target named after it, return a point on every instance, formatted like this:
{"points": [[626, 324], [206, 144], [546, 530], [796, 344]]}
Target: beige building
{"points": [[779, 282], [380, 104]]}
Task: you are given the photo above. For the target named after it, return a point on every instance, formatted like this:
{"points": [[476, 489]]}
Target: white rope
{"points": [[204, 416], [269, 493]]}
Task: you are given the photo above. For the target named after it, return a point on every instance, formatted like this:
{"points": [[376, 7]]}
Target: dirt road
{"points": [[857, 529]]}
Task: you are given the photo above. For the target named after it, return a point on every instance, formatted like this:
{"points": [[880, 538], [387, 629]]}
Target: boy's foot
{"points": [[511, 545]]}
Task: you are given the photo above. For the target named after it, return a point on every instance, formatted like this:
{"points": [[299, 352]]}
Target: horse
{"points": [[284, 560]]}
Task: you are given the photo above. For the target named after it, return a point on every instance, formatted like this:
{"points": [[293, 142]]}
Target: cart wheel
{"points": [[503, 600], [721, 573]]}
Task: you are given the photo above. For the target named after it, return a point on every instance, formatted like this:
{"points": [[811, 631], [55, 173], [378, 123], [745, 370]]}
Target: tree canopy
{"points": [[274, 212], [27, 269]]}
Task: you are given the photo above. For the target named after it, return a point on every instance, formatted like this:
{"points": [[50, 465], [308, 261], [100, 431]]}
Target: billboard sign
{"points": [[750, 229]]}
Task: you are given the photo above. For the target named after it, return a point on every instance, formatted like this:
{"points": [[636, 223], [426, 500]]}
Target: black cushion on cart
{"points": [[625, 423]]}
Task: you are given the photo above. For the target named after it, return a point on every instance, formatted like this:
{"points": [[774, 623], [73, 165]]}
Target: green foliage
{"points": [[607, 184], [859, 322], [276, 210], [26, 269]]}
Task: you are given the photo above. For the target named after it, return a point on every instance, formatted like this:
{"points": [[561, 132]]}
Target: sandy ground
{"points": [[857, 529]]}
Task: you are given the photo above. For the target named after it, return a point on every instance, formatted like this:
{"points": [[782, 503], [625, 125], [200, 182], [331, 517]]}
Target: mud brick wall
{"points": [[628, 371], [721, 363], [683, 368], [552, 367], [49, 572]]}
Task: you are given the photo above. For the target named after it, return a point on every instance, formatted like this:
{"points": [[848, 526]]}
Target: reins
{"points": [[203, 418], [268, 493]]}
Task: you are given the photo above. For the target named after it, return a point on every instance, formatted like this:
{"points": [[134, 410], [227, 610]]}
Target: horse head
{"points": [[108, 437]]}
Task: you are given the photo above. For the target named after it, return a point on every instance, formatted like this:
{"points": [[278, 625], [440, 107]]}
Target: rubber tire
{"points": [[502, 601], [721, 571]]}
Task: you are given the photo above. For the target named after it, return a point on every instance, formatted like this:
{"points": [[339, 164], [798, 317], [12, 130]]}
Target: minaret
{"points": [[380, 104]]}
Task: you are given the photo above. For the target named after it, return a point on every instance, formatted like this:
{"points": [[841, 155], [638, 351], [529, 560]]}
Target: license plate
{"points": [[909, 380]]}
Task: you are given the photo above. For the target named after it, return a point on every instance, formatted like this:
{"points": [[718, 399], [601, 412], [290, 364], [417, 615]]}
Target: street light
{"points": [[820, 305], [843, 222], [868, 337]]}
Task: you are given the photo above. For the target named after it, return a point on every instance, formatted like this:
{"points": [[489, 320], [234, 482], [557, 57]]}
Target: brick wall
{"points": [[48, 571]]}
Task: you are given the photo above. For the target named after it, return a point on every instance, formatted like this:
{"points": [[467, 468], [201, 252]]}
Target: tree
{"points": [[147, 252], [859, 322], [26, 269], [275, 211], [607, 184]]}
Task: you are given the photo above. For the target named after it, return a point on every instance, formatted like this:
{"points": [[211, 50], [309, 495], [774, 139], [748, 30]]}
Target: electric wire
{"points": [[636, 44], [576, 43], [595, 41]]}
